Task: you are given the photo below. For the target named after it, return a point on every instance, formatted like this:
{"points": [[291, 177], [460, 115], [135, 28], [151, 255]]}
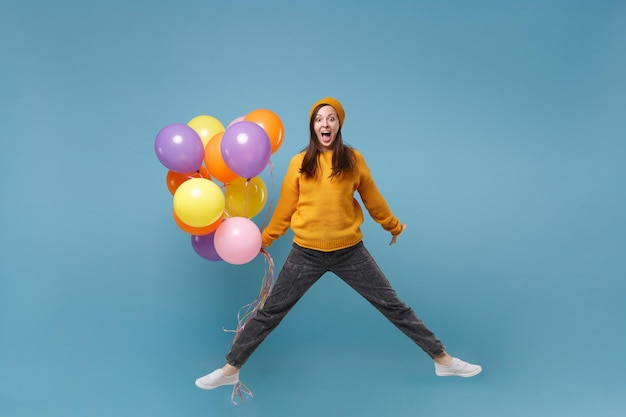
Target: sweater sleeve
{"points": [[287, 203], [373, 200]]}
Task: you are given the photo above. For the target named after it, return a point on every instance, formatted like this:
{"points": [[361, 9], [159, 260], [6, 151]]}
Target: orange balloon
{"points": [[197, 231], [271, 123], [174, 179], [215, 162]]}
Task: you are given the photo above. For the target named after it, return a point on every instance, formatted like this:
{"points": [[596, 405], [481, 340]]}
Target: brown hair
{"points": [[344, 158]]}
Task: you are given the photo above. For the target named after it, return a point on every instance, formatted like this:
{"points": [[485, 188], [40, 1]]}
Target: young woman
{"points": [[317, 202]]}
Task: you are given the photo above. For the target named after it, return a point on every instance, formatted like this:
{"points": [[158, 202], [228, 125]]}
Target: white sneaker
{"points": [[458, 368], [216, 379]]}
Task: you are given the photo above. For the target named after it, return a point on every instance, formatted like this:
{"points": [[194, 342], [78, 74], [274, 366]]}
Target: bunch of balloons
{"points": [[201, 153]]}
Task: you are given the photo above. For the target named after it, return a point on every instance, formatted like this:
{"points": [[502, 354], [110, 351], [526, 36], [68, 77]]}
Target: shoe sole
{"points": [[465, 375], [204, 386], [210, 387]]}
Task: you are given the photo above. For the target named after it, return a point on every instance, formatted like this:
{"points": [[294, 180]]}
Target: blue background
{"points": [[496, 130]]}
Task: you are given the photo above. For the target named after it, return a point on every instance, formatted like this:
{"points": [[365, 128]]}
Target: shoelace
{"points": [[458, 365]]}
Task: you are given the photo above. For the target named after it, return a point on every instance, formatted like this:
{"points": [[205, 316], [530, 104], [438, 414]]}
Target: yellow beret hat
{"points": [[341, 114]]}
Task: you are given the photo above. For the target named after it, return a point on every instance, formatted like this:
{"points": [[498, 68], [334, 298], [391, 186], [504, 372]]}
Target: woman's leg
{"points": [[358, 269], [301, 270]]}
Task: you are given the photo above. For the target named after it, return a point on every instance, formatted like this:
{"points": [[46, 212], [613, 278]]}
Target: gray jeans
{"points": [[355, 266]]}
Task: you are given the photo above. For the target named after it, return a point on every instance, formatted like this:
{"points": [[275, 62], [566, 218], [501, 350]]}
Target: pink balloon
{"points": [[236, 120], [237, 240]]}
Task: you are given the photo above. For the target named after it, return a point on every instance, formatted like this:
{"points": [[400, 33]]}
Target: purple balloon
{"points": [[179, 148], [205, 247], [246, 148]]}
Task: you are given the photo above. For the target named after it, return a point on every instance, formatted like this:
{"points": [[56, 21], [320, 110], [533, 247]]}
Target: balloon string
{"points": [[239, 389], [247, 311], [245, 205]]}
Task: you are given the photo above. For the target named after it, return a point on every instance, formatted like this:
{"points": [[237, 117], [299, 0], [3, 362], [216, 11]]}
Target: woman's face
{"points": [[326, 126]]}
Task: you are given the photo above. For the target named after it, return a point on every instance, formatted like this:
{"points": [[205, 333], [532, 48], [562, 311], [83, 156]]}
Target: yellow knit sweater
{"points": [[323, 213]]}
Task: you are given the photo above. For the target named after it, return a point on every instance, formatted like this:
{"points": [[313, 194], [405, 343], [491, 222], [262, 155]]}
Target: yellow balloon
{"points": [[206, 127], [199, 202], [245, 198]]}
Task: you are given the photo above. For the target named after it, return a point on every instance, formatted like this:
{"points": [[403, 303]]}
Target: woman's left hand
{"points": [[394, 238]]}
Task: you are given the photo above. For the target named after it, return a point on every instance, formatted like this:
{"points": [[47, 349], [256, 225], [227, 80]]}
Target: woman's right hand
{"points": [[394, 238]]}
